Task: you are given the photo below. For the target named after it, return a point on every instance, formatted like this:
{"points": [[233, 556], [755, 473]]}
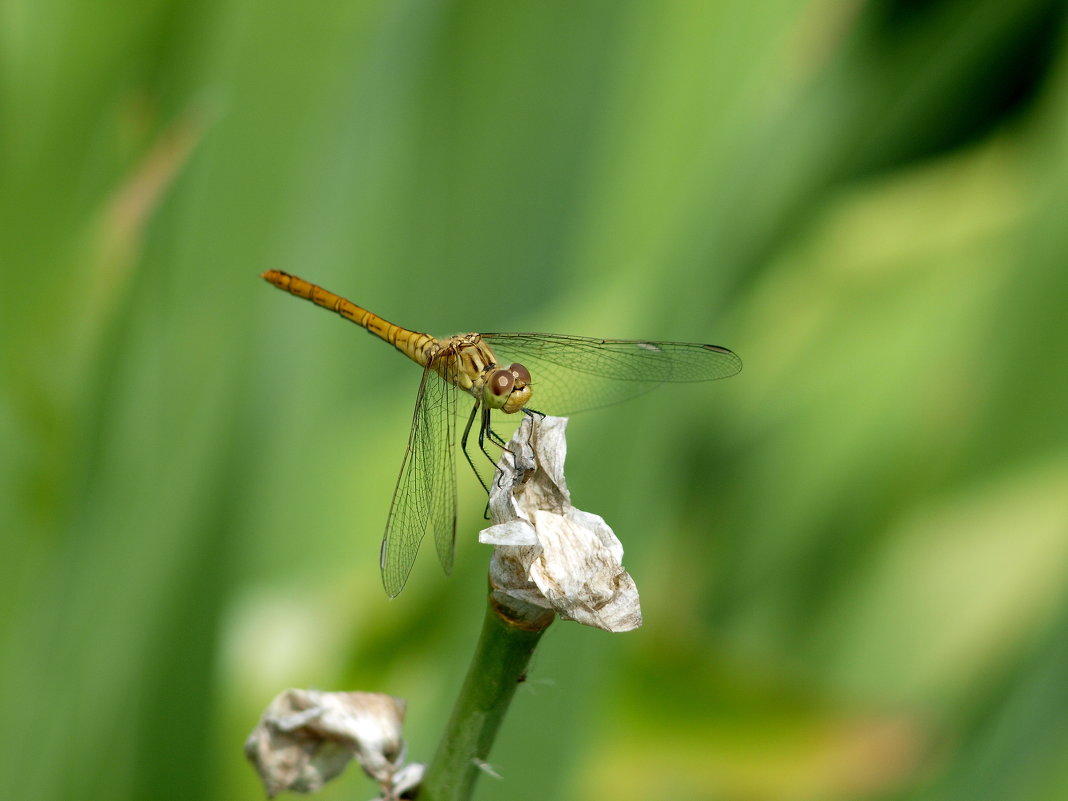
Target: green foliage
{"points": [[852, 555]]}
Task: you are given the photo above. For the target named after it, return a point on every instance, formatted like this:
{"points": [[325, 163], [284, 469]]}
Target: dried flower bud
{"points": [[307, 737], [548, 552]]}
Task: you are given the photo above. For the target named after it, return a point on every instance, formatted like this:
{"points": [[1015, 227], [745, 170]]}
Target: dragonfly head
{"points": [[507, 389]]}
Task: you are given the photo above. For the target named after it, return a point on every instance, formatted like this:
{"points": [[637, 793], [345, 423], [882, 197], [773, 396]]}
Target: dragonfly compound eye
{"points": [[521, 373], [501, 382]]}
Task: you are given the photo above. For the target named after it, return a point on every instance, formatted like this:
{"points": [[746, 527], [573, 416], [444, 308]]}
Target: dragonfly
{"points": [[566, 374]]}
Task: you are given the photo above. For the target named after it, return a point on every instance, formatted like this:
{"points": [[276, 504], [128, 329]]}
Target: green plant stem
{"points": [[509, 635]]}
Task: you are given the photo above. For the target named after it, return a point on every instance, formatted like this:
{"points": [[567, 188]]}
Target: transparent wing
{"points": [[425, 497], [570, 374]]}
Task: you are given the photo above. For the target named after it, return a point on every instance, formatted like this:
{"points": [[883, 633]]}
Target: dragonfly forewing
{"points": [[571, 374]]}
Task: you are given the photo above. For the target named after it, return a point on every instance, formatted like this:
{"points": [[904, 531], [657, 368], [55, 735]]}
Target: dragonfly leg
{"points": [[533, 429], [463, 445], [496, 438], [487, 432], [484, 432]]}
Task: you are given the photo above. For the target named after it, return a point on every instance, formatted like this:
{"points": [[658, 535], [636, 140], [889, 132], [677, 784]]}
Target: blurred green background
{"points": [[852, 557]]}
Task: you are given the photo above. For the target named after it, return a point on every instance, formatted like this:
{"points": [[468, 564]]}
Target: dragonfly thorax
{"points": [[467, 362]]}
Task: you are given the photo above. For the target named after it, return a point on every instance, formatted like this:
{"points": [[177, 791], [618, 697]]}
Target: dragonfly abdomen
{"points": [[413, 344]]}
